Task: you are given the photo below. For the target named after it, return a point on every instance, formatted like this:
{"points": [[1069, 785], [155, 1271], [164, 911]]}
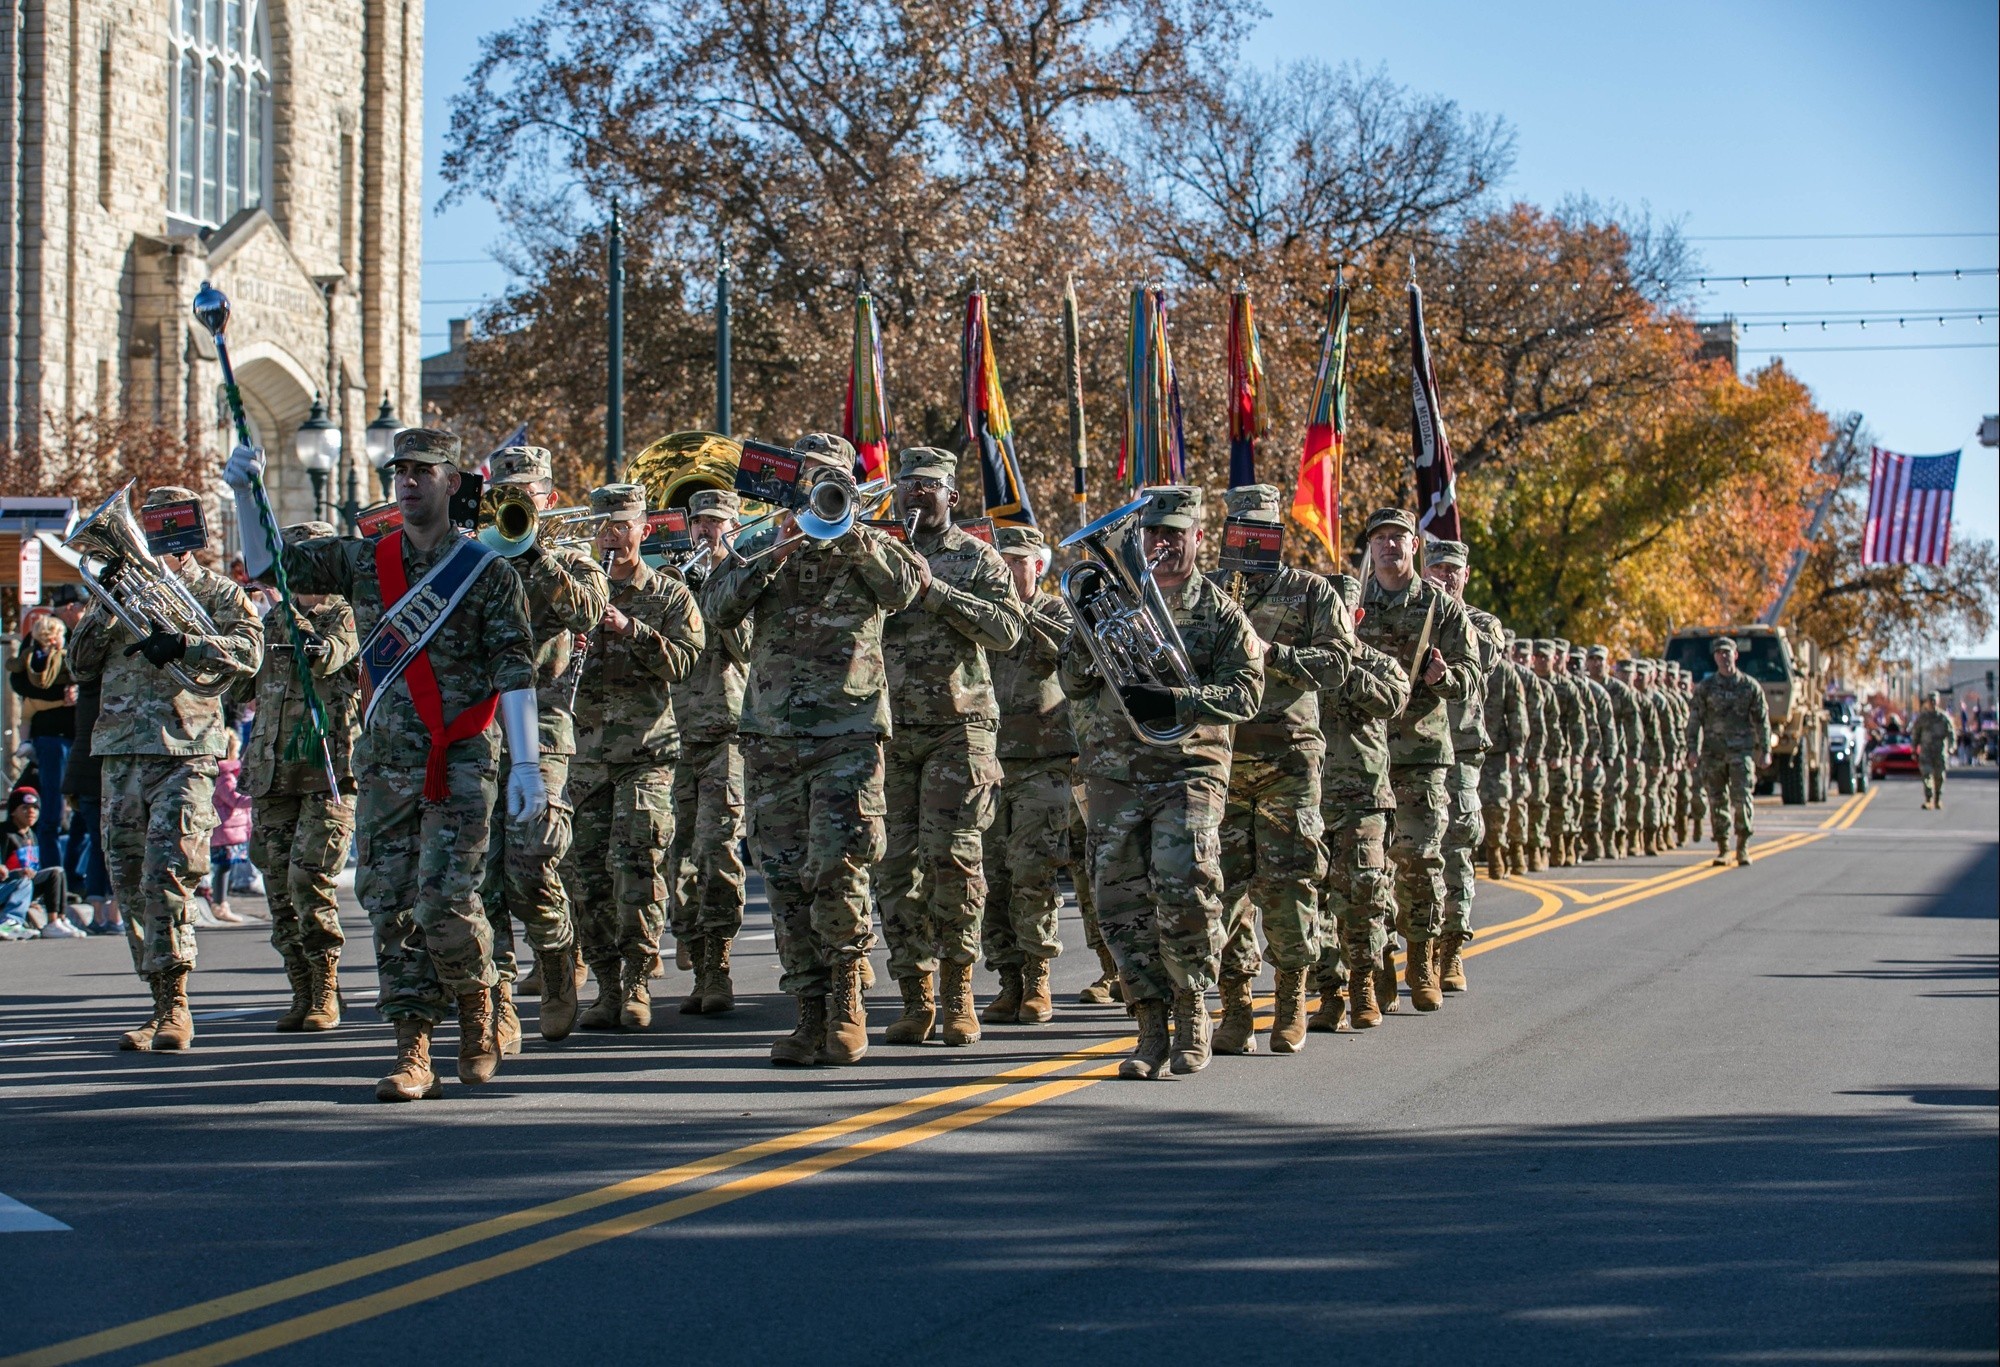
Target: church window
{"points": [[221, 93]]}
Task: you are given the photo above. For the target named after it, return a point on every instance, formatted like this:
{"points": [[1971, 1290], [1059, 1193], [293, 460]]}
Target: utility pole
{"points": [[722, 342], [1837, 463], [614, 404]]}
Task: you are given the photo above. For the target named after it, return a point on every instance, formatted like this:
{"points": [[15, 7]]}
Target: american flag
{"points": [[1909, 509]]}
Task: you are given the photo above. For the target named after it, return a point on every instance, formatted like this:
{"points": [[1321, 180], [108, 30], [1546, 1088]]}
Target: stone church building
{"points": [[271, 146]]}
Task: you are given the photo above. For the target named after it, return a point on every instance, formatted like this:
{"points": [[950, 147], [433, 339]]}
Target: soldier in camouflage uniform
{"points": [[1933, 737], [159, 743], [1273, 856], [1029, 840], [1697, 794], [1357, 967], [1601, 760], [424, 800], [1566, 783], [1156, 810], [1734, 724], [1681, 781], [1614, 827], [815, 715], [1445, 565], [567, 594], [1507, 730], [703, 866], [623, 780], [1409, 618], [1524, 854], [1660, 767], [1545, 810], [943, 773], [300, 830]]}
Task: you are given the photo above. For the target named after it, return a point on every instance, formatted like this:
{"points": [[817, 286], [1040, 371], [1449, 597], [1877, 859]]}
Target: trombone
{"points": [[832, 501], [514, 522]]}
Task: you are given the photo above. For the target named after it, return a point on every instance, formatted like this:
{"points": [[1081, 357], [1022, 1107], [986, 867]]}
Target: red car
{"points": [[1893, 754]]}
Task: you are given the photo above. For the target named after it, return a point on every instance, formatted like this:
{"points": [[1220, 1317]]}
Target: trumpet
{"points": [[514, 521], [832, 501], [1123, 617], [143, 594]]}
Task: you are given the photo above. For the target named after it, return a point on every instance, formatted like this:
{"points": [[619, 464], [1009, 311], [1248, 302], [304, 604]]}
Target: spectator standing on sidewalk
{"points": [[39, 673], [229, 843]]}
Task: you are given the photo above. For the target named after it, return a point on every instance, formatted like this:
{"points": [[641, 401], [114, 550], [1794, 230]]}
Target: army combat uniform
{"points": [[1566, 779], [1544, 804], [159, 743], [1508, 730], [1614, 826], [623, 780], [1735, 728], [1273, 853], [1531, 780], [300, 831], [1470, 739], [815, 713], [1933, 737], [1156, 810], [1671, 757], [942, 770], [1601, 760]]}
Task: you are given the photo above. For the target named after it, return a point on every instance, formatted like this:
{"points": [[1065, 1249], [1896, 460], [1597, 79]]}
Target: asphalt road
{"points": [[1683, 1115]]}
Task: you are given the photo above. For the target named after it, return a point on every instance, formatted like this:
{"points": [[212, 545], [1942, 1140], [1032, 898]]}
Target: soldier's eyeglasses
{"points": [[920, 486]]}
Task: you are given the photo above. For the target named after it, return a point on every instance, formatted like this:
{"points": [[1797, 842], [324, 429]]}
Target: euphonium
{"points": [[138, 590], [1123, 617]]}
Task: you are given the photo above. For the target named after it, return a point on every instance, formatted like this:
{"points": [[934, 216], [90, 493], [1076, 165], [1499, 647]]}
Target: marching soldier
{"points": [[1933, 736], [1525, 854], [300, 829], [1029, 840], [1659, 764], [1565, 790], [1508, 727], [446, 644], [646, 640], [1156, 810], [1601, 761], [1357, 969], [1545, 815], [815, 715], [566, 594], [1273, 857], [1673, 801], [159, 742], [943, 772], [1735, 729], [1697, 795], [703, 866], [1407, 617], [1614, 828]]}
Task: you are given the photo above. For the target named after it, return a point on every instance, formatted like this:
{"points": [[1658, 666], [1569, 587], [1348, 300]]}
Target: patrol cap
{"points": [[522, 465], [1722, 645], [161, 495], [1170, 505], [826, 449], [308, 531], [1025, 542], [1576, 652], [1598, 653], [1350, 589], [1389, 517], [1560, 645], [714, 503], [1507, 635], [619, 502], [1544, 646], [1447, 553], [928, 462], [1253, 503], [426, 446], [1641, 668]]}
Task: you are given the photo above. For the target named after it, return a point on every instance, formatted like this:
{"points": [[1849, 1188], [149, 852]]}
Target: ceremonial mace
{"points": [[211, 310]]}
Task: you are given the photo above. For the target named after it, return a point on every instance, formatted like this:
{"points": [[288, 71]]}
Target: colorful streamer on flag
{"points": [[1079, 451], [1154, 449], [1909, 509], [1316, 503], [1249, 401], [864, 420], [987, 425], [1430, 448]]}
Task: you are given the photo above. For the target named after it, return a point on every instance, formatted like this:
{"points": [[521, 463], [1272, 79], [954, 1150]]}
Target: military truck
{"points": [[1792, 672]]}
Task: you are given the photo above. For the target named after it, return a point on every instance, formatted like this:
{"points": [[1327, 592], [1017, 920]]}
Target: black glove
{"points": [[1149, 704], [162, 648], [313, 647]]}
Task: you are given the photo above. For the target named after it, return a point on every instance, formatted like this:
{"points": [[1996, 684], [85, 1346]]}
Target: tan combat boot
{"points": [[919, 1012], [530, 983], [299, 974], [1191, 1031], [176, 1029], [697, 949], [1362, 1012], [867, 974], [1517, 860], [558, 1010], [1332, 1002], [1036, 1006], [1238, 1032], [683, 956], [960, 1023], [323, 1011], [1385, 980], [1149, 1057], [478, 1050], [1420, 976], [412, 1079], [845, 1038], [718, 989], [506, 1020], [1533, 861], [1721, 860], [1107, 989], [1005, 1008], [801, 1048], [141, 1036], [1496, 863], [1742, 854], [1288, 1029], [1451, 962], [602, 1014], [635, 1007]]}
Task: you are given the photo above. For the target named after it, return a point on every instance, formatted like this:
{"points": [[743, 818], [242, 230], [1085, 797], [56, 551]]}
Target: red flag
{"points": [[864, 420], [1316, 504], [1430, 448]]}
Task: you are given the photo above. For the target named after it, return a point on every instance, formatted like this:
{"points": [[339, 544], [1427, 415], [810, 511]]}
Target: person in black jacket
{"points": [[40, 675]]}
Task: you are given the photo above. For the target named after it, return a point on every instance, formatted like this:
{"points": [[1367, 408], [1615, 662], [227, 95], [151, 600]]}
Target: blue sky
{"points": [[1778, 134]]}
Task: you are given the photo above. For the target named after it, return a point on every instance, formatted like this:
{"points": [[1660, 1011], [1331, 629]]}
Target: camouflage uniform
{"points": [[622, 783], [159, 744], [567, 594], [1508, 728], [1545, 805], [815, 711], [1697, 799], [1615, 830], [1661, 766], [1933, 736], [1735, 726], [1681, 779], [1469, 741], [943, 772], [1601, 761], [1531, 781], [1566, 779]]}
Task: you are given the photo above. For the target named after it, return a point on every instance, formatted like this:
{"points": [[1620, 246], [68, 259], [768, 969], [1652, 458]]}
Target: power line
{"points": [[1830, 237], [1872, 277], [1914, 346]]}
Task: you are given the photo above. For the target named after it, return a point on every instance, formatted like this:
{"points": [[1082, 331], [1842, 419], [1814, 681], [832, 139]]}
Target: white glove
{"points": [[527, 796], [244, 468], [520, 721]]}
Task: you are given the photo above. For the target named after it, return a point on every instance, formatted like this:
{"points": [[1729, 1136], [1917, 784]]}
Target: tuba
{"points": [[1123, 617], [144, 595]]}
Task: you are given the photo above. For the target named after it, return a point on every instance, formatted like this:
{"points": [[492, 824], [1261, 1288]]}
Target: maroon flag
{"points": [[1430, 449]]}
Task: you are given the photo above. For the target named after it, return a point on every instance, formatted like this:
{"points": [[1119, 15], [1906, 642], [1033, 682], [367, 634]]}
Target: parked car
{"points": [[1893, 754], [1847, 744]]}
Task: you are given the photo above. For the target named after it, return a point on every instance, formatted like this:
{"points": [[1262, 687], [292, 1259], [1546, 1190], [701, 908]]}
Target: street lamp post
{"points": [[380, 438], [317, 445]]}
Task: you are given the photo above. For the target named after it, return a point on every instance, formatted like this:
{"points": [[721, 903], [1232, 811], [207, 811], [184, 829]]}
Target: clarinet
{"points": [[583, 651]]}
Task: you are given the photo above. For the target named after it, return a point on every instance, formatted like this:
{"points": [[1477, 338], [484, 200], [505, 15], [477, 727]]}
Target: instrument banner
{"points": [[1252, 547], [889, 527], [174, 528], [379, 520], [981, 527], [667, 533], [770, 474]]}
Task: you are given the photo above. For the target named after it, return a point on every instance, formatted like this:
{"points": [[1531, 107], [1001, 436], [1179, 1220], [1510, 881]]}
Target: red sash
{"points": [[422, 679]]}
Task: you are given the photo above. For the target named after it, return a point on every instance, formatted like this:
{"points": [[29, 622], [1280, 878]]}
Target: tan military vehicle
{"points": [[1792, 672]]}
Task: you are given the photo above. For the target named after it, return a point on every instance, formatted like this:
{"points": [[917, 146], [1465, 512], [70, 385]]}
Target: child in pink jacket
{"points": [[229, 845]]}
